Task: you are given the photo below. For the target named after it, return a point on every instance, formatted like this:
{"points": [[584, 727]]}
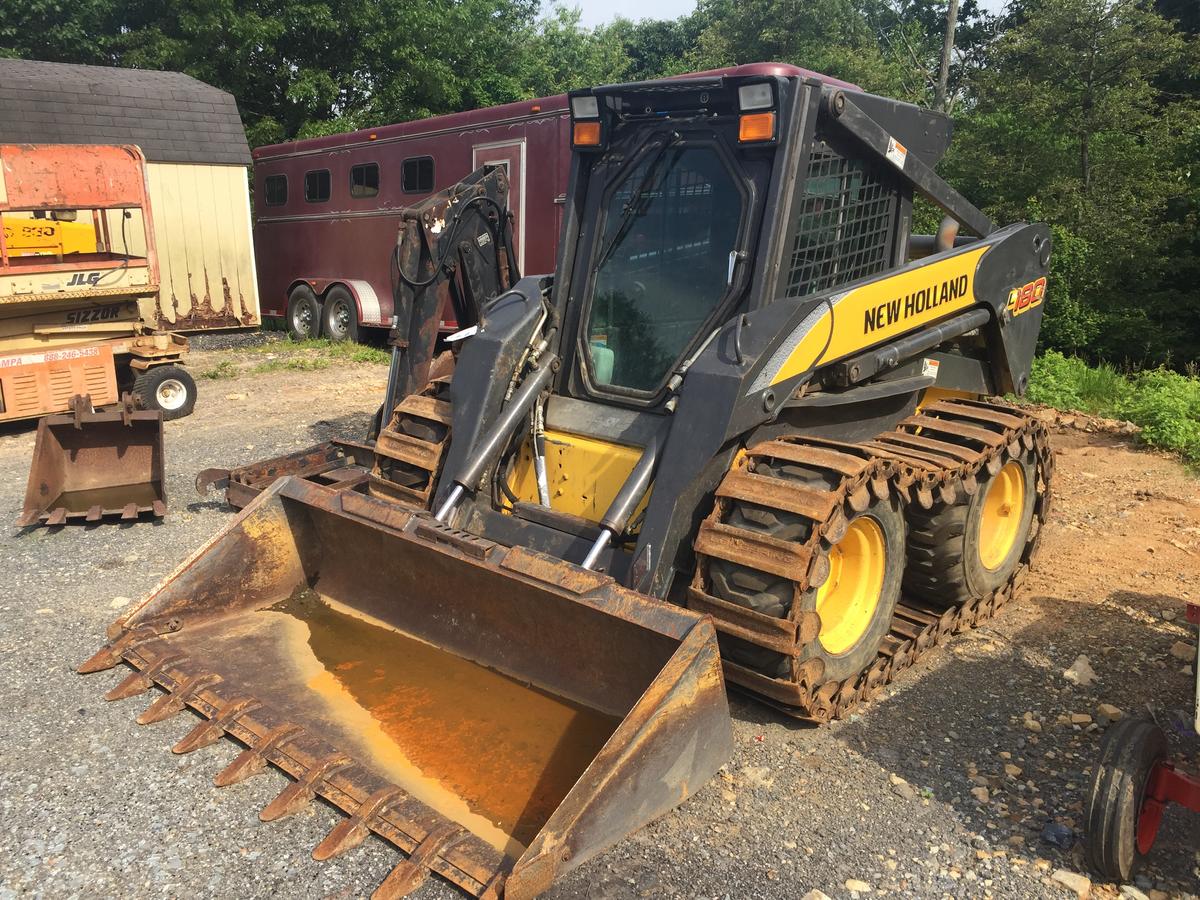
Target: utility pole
{"points": [[943, 82]]}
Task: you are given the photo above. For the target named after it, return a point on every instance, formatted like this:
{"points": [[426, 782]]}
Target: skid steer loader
{"points": [[744, 415]]}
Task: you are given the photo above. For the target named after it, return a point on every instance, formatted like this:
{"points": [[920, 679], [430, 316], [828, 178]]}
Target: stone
{"points": [[1033, 725], [857, 887], [1106, 713], [1081, 719], [1184, 651], [815, 894], [1012, 771], [119, 602], [1080, 672], [1073, 881], [981, 794], [1129, 892], [1058, 835]]}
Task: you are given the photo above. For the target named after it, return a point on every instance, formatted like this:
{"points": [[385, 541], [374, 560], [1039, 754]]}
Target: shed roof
{"points": [[171, 116]]}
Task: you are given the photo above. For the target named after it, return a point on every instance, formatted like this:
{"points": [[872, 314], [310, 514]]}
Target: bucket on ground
{"points": [[496, 713], [88, 465]]}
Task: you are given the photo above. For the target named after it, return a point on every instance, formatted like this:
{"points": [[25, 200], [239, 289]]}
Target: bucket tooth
{"points": [[58, 517], [107, 657], [300, 793], [129, 512], [351, 832], [173, 702], [160, 508], [140, 682], [212, 730], [412, 872], [253, 760], [93, 514]]}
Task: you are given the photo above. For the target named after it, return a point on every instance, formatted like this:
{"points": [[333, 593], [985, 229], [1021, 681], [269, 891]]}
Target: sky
{"points": [[597, 12]]}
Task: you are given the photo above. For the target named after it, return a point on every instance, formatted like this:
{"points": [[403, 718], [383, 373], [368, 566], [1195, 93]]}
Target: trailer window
{"points": [[364, 180], [316, 186], [275, 190], [418, 175]]}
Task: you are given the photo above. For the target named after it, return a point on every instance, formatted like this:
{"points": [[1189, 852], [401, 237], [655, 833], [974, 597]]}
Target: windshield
{"points": [[670, 226]]}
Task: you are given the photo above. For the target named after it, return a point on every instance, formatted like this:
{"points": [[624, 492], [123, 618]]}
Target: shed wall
{"points": [[205, 254]]}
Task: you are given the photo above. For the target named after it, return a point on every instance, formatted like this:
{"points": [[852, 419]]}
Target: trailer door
{"points": [[510, 155]]}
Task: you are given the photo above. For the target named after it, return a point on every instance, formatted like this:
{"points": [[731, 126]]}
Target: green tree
{"points": [[1068, 126]]}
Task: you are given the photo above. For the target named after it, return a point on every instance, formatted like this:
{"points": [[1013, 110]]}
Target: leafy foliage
{"points": [[1165, 404], [1084, 114]]}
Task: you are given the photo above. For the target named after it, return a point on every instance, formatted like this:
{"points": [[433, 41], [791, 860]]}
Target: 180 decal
{"points": [[1027, 296]]}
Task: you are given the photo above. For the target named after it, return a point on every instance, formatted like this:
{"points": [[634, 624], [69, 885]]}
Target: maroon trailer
{"points": [[327, 210]]}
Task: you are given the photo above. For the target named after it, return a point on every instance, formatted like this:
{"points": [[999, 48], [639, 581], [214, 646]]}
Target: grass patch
{"points": [[226, 368], [293, 364], [322, 347], [1165, 404]]}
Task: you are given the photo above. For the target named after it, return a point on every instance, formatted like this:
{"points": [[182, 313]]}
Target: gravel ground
{"points": [[94, 805]]}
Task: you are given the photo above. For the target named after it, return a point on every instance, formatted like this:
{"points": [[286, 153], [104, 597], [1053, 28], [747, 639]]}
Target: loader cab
{"points": [[693, 200]]}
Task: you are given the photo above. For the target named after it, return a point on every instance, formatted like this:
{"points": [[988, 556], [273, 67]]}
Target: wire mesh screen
{"points": [[844, 225]]}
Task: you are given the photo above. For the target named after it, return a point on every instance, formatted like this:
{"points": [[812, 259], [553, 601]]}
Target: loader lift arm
{"points": [[454, 251]]}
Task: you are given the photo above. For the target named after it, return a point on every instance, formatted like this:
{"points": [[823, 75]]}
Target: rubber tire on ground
{"points": [[335, 325], [943, 544], [147, 386], [1128, 753], [301, 300], [773, 596]]}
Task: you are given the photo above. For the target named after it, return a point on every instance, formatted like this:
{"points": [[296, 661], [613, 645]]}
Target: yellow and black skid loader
{"points": [[737, 437]]}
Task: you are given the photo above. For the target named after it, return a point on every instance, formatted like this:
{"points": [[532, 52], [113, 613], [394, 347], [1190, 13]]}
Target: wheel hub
{"points": [[171, 394], [1000, 521], [847, 601]]}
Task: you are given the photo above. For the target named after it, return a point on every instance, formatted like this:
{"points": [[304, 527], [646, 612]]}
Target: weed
{"points": [[226, 368], [1165, 404]]}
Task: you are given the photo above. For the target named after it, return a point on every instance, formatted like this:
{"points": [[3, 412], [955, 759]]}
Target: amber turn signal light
{"points": [[756, 127], [586, 134]]}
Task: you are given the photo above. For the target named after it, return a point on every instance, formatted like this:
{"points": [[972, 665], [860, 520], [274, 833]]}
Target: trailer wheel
{"points": [[340, 317], [168, 389], [1130, 751], [303, 314]]}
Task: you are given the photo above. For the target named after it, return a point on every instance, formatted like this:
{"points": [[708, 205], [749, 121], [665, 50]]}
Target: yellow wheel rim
{"points": [[847, 601], [1000, 522]]}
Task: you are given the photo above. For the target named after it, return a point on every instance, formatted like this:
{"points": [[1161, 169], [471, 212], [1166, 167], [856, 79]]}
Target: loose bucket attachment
{"points": [[345, 464], [497, 714], [88, 465]]}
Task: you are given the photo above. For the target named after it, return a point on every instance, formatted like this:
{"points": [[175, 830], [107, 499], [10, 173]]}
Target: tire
{"points": [[1130, 751], [949, 558], [168, 389], [303, 314], [339, 319], [880, 525]]}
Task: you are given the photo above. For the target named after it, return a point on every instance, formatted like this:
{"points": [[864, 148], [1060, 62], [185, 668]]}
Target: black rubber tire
{"points": [[774, 596], [339, 315], [158, 389], [1128, 753], [303, 314], [943, 545]]}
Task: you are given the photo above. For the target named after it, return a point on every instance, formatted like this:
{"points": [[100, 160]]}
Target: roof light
{"points": [[585, 106], [756, 96], [586, 134], [756, 127]]}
